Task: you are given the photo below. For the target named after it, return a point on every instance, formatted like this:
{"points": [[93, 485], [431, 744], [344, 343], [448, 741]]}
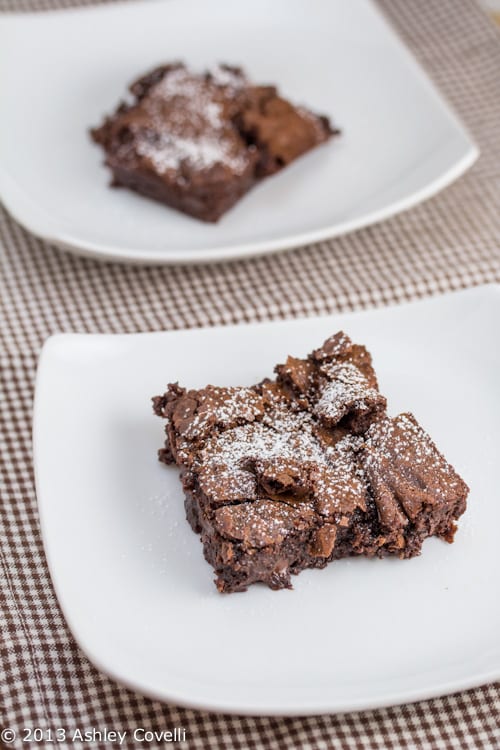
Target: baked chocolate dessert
{"points": [[198, 142], [304, 469]]}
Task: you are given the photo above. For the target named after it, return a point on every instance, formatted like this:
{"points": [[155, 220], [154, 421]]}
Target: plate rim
{"points": [[20, 206], [181, 697]]}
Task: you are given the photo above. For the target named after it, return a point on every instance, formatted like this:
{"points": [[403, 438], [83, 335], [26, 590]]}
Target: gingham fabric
{"points": [[449, 242]]}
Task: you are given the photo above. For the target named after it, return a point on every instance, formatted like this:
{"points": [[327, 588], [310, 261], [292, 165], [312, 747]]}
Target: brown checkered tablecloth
{"points": [[452, 241]]}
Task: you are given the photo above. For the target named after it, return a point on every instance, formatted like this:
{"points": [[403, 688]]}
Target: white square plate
{"points": [[400, 142], [130, 574]]}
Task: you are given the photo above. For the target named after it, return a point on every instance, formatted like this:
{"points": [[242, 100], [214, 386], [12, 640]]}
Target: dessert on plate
{"points": [[306, 468], [197, 142]]}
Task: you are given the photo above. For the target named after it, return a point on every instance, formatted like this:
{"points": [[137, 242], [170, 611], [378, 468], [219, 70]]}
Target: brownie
{"points": [[306, 468], [198, 142]]}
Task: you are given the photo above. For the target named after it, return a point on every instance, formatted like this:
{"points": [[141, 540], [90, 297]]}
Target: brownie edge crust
{"points": [[198, 142], [306, 468]]}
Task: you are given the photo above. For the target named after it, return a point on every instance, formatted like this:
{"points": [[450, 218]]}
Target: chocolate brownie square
{"points": [[295, 472], [198, 142]]}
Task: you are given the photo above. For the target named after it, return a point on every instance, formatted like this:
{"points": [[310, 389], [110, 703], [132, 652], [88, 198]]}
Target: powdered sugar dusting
{"points": [[188, 124], [282, 439], [347, 390], [224, 75], [402, 442]]}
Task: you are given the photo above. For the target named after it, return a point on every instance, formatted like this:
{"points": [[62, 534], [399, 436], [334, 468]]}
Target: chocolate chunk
{"points": [[323, 541]]}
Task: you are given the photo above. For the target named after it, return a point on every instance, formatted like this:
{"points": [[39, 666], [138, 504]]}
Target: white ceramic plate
{"points": [[400, 142], [130, 574]]}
